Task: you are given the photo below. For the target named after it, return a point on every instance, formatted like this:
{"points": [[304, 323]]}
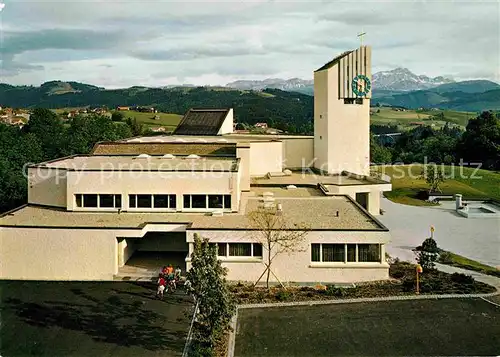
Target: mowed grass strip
{"points": [[451, 327], [469, 182], [91, 319]]}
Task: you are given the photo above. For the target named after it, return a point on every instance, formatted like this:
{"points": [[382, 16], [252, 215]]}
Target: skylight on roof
{"points": [[192, 156], [168, 156], [222, 140], [143, 156]]}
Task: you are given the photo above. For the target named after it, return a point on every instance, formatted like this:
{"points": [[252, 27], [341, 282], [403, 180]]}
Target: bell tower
{"points": [[342, 92]]}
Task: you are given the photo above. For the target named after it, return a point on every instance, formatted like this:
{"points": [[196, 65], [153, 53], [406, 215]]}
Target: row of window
{"points": [[345, 253], [239, 250], [152, 201]]}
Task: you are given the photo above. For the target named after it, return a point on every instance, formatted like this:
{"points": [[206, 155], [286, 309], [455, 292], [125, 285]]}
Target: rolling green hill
{"points": [[283, 110]]}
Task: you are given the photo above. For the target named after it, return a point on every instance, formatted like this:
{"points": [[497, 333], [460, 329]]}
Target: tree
{"points": [[277, 235], [48, 128], [378, 153], [214, 300], [481, 141], [135, 126], [427, 253], [433, 176], [117, 116]]}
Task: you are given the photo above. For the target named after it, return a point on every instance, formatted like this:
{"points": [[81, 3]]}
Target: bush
{"points": [[331, 290], [463, 279], [282, 295], [399, 270]]}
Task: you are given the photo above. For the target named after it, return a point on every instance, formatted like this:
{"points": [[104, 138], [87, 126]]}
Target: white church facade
{"points": [[100, 216]]}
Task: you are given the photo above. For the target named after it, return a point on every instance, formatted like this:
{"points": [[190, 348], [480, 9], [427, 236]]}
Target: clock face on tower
{"points": [[361, 85]]}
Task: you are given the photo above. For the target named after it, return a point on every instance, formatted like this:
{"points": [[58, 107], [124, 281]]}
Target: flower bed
{"points": [[402, 282]]}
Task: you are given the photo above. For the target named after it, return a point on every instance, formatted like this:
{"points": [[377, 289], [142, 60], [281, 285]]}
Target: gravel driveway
{"points": [[474, 238]]}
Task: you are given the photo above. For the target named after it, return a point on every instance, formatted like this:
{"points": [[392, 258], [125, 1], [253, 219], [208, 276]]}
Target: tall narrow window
{"points": [[187, 201], [172, 201], [315, 249], [257, 250], [79, 201], [222, 249], [227, 201], [351, 252], [333, 252], [132, 201]]}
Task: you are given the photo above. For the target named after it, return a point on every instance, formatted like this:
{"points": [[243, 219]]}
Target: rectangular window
{"points": [[187, 201], [106, 201], [215, 201], [222, 249], [359, 100], [369, 252], [351, 252], [118, 201], [240, 249], [160, 201], [132, 201], [144, 201], [198, 201], [172, 201], [90, 201], [333, 252], [315, 255], [257, 250], [79, 201], [348, 101], [227, 202]]}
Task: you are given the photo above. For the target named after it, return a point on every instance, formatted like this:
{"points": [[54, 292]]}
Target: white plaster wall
{"points": [[47, 186], [346, 126], [227, 125], [374, 192], [243, 153], [321, 118], [57, 254], [298, 153], [150, 182], [266, 157], [297, 267]]}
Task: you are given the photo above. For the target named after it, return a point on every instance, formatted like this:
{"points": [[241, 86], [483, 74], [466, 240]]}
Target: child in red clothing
{"points": [[161, 286]]}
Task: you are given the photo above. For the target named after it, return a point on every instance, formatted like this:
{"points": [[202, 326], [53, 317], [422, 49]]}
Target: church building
{"points": [[134, 205]]}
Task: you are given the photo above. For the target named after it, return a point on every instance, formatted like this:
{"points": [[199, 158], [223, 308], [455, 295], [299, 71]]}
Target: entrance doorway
{"points": [[145, 256], [362, 199]]}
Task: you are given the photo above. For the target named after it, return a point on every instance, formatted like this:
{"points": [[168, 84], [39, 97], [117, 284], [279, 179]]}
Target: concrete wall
{"points": [[345, 127], [373, 191], [150, 182], [243, 153], [297, 267], [298, 153], [57, 254], [321, 121], [227, 125], [266, 157], [47, 186]]}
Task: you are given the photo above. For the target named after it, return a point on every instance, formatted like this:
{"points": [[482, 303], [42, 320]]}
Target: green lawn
{"points": [[91, 319], [170, 121], [388, 116], [468, 182], [460, 261], [452, 327]]}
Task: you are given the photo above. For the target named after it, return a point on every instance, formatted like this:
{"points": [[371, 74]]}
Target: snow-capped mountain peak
{"points": [[402, 79]]}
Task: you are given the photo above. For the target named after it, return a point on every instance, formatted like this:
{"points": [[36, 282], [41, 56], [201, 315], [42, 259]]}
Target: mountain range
{"points": [[271, 99]]}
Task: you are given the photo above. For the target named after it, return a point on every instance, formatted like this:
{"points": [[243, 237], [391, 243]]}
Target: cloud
{"points": [[117, 43]]}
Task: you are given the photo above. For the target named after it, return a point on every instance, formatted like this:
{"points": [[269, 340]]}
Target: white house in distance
{"points": [[134, 205]]}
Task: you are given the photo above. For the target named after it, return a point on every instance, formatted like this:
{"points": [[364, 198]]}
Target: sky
{"points": [[117, 44]]}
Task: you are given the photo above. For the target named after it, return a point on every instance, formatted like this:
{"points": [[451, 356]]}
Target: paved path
{"points": [[474, 238], [487, 279]]}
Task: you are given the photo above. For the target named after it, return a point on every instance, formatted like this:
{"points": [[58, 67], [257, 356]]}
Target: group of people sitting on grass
{"points": [[168, 279]]}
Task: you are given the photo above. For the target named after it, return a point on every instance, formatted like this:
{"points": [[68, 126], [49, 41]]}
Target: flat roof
{"points": [[158, 146], [213, 139], [149, 163], [308, 177], [323, 216]]}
